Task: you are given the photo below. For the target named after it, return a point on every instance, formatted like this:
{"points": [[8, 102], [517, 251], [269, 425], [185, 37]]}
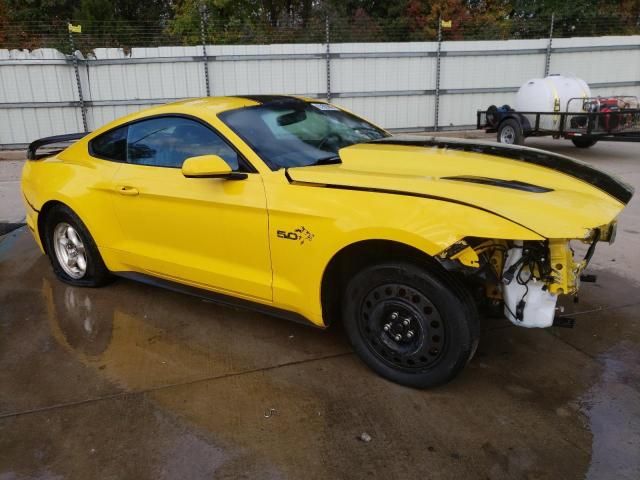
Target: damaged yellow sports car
{"points": [[298, 208]]}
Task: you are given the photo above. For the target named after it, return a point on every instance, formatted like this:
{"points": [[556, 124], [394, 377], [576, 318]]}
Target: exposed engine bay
{"points": [[525, 278]]}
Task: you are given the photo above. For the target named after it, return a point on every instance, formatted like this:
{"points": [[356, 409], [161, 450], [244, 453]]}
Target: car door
{"points": [[206, 232]]}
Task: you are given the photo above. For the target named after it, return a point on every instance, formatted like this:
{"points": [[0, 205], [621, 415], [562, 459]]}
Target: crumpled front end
{"points": [[525, 277], [554, 198]]}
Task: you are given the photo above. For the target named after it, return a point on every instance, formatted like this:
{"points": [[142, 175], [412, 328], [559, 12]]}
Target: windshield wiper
{"points": [[330, 160]]}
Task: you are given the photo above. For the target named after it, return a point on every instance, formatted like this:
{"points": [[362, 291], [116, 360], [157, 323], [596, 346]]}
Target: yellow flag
{"points": [[445, 23], [75, 28]]}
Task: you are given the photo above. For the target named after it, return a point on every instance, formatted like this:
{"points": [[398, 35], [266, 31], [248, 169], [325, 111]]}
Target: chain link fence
{"points": [[203, 29], [380, 69]]}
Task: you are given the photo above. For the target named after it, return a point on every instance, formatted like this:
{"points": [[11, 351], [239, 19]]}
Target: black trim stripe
{"points": [[498, 182], [603, 181], [269, 98], [406, 194]]}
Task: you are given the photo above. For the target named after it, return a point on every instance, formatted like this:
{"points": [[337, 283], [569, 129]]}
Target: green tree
{"points": [[579, 17], [121, 23], [4, 23], [231, 21], [31, 23], [24, 12], [35, 23]]}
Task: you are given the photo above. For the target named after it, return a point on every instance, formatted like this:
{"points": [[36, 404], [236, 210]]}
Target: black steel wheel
{"points": [[402, 326], [410, 325]]}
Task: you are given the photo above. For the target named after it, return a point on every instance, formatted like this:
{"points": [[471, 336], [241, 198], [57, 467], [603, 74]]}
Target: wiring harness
{"points": [[533, 264]]}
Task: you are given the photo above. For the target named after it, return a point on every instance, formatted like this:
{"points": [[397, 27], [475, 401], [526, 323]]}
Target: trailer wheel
{"points": [[584, 142], [510, 132]]}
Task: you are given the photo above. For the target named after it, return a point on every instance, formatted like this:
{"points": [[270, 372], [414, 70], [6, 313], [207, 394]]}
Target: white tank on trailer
{"points": [[550, 94]]}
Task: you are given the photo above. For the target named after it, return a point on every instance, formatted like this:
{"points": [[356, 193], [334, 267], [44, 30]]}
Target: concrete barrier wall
{"points": [[393, 84]]}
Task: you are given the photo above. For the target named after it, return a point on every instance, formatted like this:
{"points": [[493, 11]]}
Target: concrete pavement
{"points": [[131, 381]]}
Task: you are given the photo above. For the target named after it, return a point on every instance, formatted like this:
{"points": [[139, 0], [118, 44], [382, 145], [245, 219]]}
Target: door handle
{"points": [[126, 190]]}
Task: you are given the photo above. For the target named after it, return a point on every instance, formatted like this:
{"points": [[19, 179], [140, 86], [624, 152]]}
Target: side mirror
{"points": [[209, 166]]}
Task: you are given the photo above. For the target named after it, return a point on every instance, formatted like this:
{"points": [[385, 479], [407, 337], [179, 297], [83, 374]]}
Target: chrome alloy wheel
{"points": [[507, 135], [70, 250]]}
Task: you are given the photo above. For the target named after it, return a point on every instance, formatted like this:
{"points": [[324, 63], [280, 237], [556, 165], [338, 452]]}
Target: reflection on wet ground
{"points": [[131, 381], [613, 408], [135, 381]]}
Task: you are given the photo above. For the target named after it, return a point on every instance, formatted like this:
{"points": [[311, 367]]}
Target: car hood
{"points": [[552, 195]]}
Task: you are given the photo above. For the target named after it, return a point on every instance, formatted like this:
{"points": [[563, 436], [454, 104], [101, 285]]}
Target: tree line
{"points": [[36, 23]]}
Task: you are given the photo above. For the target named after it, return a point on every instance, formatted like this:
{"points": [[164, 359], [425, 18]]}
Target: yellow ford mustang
{"points": [[301, 209]]}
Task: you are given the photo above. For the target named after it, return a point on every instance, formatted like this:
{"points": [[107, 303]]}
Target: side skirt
{"points": [[219, 298]]}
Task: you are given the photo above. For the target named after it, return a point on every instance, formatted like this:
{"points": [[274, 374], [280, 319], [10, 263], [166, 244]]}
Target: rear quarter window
{"points": [[111, 145]]}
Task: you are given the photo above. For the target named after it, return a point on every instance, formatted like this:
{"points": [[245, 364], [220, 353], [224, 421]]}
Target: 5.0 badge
{"points": [[301, 234]]}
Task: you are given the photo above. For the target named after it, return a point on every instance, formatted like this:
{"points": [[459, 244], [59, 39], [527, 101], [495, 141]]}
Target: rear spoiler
{"points": [[36, 144]]}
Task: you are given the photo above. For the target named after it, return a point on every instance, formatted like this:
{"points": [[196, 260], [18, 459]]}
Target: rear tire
{"points": [[584, 142], [73, 253], [510, 132], [410, 325]]}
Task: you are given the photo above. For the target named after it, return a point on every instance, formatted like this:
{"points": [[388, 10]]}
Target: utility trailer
{"points": [[585, 122]]}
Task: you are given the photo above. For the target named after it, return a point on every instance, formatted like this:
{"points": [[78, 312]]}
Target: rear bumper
{"points": [[32, 221]]}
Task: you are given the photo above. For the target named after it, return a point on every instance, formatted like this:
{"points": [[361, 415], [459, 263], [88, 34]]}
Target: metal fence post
{"points": [[83, 108], [547, 62], [437, 93], [203, 40], [328, 56]]}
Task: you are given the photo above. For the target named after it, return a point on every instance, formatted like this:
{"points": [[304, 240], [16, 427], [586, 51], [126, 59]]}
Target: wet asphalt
{"points": [[132, 381]]}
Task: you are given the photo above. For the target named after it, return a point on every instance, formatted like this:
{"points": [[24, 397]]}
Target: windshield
{"points": [[297, 133]]}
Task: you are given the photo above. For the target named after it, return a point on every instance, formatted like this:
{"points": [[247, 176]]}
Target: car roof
{"points": [[217, 105], [200, 107]]}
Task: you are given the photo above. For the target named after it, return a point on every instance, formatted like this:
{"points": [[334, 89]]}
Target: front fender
{"points": [[332, 219]]}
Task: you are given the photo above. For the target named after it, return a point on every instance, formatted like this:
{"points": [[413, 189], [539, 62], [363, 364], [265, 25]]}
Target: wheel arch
{"points": [[42, 218], [352, 258], [522, 120], [47, 207], [518, 117]]}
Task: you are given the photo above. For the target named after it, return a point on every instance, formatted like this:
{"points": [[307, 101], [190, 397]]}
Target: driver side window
{"points": [[169, 141]]}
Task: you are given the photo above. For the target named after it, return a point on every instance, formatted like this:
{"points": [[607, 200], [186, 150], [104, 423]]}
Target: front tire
{"points": [[410, 325], [73, 253]]}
